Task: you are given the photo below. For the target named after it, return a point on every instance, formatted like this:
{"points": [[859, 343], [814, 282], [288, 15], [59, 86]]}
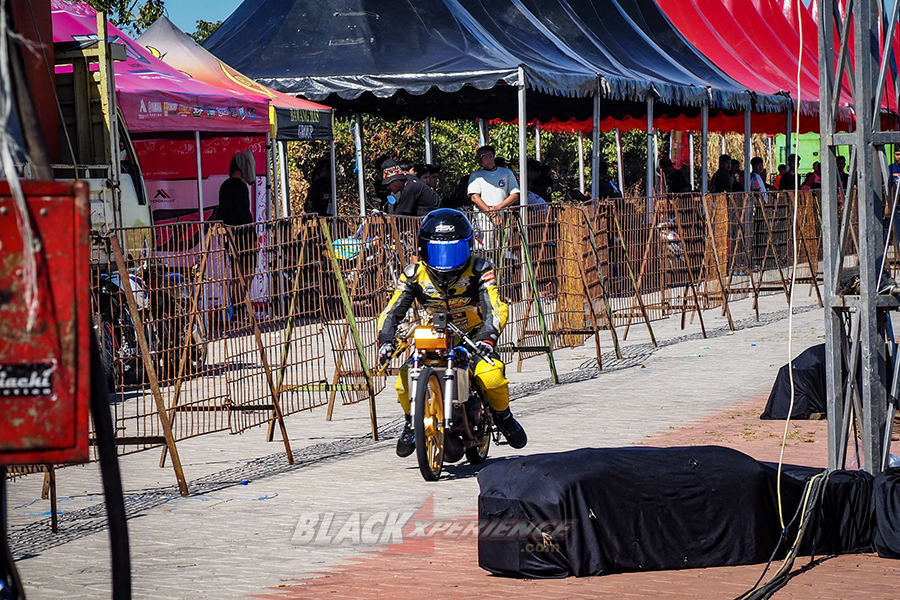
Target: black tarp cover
{"points": [[809, 387], [637, 509], [646, 509], [348, 47]]}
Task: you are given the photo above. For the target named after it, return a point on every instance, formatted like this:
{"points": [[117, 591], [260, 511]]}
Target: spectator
{"points": [[318, 198], [809, 182], [842, 170], [675, 181], [757, 175], [413, 198], [491, 188], [459, 197], [781, 171], [534, 174], [542, 183], [381, 191], [722, 180], [429, 175], [789, 177], [234, 211]]}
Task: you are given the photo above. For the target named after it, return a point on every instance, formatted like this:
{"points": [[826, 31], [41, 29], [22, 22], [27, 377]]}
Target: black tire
{"points": [[106, 338], [429, 424], [199, 344], [478, 454]]}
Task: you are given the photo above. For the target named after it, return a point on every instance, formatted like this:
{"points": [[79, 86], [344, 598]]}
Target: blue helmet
{"points": [[446, 239]]}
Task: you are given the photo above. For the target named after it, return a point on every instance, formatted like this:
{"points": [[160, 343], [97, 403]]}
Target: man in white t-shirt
{"points": [[491, 188]]}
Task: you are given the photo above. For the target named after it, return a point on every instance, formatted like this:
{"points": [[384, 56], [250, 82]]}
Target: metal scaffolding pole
{"points": [[855, 325]]}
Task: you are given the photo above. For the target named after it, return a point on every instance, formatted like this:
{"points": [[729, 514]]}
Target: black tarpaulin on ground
{"points": [[809, 387], [637, 509], [645, 509], [343, 48]]}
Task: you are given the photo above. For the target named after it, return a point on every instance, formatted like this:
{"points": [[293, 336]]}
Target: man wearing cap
{"points": [[412, 197]]}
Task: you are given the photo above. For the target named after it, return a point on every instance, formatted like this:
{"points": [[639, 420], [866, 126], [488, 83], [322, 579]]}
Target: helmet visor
{"points": [[447, 255]]}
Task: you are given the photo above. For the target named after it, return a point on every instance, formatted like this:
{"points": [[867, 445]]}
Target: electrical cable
{"points": [[112, 481], [787, 421], [8, 572]]}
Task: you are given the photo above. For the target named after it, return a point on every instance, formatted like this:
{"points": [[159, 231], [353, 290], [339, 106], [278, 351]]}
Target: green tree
{"points": [[131, 16], [204, 30]]}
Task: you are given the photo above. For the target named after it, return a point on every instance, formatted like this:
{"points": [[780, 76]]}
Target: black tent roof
{"points": [[398, 55]]}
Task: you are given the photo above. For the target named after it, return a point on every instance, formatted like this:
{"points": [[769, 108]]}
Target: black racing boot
{"points": [[510, 428], [407, 442]]}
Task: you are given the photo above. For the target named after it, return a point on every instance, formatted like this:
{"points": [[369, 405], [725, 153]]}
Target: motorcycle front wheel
{"points": [[429, 424]]}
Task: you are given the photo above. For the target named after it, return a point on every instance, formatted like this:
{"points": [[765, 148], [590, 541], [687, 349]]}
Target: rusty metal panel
{"points": [[44, 368]]}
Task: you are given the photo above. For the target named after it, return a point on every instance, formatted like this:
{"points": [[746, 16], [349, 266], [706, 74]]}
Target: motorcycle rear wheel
{"points": [[478, 454], [429, 424]]}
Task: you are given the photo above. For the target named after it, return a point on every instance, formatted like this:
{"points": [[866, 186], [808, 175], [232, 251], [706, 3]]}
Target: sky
{"points": [[186, 13]]}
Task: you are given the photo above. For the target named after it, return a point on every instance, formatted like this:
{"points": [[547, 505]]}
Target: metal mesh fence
{"points": [[239, 320]]}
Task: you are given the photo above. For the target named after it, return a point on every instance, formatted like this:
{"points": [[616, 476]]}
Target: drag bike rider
{"points": [[449, 278]]}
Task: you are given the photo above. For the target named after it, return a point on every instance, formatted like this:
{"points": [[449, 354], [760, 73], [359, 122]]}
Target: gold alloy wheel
{"points": [[429, 424]]}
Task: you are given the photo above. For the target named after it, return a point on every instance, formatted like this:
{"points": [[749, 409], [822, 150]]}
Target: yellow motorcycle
{"points": [[449, 412]]}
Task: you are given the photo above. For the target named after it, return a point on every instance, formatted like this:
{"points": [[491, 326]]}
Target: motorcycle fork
{"points": [[449, 392]]}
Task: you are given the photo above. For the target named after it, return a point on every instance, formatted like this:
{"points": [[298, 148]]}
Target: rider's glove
{"points": [[484, 347], [385, 352]]}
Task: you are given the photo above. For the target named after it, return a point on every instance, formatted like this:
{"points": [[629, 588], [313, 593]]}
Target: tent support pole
{"points": [[200, 175], [619, 163], [651, 157], [360, 164], [428, 140], [787, 138], [523, 142], [691, 152], [537, 140], [334, 204], [271, 198], [747, 150], [704, 149], [282, 166], [482, 132], [595, 146], [581, 161]]}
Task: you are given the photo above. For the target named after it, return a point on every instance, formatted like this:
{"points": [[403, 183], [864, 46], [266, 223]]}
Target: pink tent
{"points": [[173, 120], [155, 97]]}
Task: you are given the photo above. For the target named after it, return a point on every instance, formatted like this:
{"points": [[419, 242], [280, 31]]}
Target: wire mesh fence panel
{"points": [[635, 261], [169, 280], [356, 257]]}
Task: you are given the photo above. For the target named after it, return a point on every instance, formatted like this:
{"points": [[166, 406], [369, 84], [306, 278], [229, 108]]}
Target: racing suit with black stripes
{"points": [[474, 304]]}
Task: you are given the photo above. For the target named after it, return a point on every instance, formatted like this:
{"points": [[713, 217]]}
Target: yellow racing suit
{"points": [[474, 304]]}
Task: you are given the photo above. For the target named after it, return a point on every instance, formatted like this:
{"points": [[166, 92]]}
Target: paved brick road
{"points": [[232, 538]]}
